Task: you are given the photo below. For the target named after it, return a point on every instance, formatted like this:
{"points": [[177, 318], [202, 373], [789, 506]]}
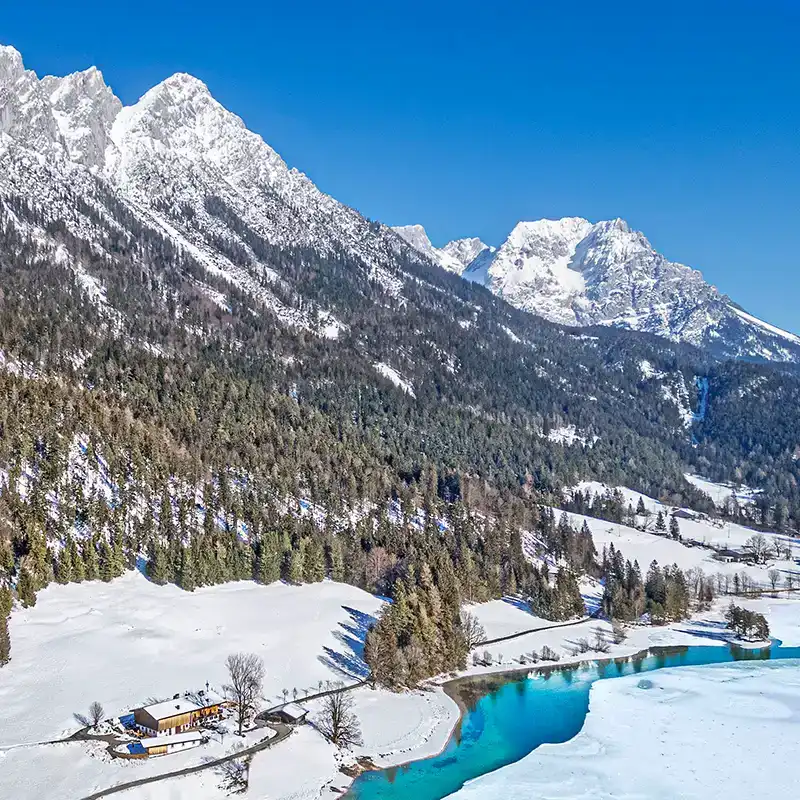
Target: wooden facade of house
{"points": [[174, 716]]}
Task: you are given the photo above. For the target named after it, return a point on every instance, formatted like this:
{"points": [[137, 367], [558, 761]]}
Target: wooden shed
{"points": [[291, 713]]}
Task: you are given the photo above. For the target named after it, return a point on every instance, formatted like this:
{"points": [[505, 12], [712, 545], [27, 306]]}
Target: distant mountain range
{"points": [[574, 272]]}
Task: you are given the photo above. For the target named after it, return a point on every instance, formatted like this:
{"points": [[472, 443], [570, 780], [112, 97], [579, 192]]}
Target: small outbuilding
{"points": [[291, 713], [161, 745], [729, 556]]}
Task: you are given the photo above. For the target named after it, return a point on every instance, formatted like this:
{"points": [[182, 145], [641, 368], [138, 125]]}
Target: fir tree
{"points": [[188, 573], [5, 641], [26, 588]]}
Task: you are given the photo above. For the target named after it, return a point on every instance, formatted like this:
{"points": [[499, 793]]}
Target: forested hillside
{"points": [[193, 351]]}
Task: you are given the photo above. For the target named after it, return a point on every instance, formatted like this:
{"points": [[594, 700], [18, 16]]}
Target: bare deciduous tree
{"points": [[337, 721], [600, 644], [619, 633], [774, 576], [473, 631], [246, 675], [234, 774], [758, 547], [96, 714]]}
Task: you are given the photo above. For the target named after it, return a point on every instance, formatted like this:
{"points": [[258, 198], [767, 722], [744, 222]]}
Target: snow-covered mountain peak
{"points": [[466, 250], [417, 237], [11, 66]]}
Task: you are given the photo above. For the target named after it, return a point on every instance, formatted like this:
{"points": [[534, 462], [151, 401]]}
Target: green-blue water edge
{"points": [[509, 715]]}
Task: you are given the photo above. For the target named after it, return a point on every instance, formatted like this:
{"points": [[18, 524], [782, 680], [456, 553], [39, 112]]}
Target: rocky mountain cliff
{"points": [[574, 272]]}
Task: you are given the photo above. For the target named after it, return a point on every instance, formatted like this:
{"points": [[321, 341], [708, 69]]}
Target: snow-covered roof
{"points": [[175, 738], [171, 708], [294, 711]]}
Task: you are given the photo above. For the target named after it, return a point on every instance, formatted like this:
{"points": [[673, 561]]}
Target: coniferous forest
{"points": [[157, 426]]}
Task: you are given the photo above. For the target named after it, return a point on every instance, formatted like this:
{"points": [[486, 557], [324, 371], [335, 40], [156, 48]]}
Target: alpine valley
{"points": [[237, 415]]}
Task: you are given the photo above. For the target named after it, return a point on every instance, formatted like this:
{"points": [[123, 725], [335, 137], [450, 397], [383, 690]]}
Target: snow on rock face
{"points": [[178, 162], [181, 162], [391, 374], [531, 268], [578, 273], [84, 108], [466, 250], [416, 236]]}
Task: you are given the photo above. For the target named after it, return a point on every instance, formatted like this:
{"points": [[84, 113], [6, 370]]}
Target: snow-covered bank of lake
{"points": [[723, 731]]}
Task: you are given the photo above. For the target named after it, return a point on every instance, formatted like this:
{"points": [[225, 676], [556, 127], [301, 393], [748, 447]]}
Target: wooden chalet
{"points": [[174, 716], [291, 713]]}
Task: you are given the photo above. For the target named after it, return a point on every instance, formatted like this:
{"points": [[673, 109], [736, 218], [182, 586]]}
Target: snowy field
{"points": [[139, 641], [126, 642], [645, 547], [720, 493], [723, 731], [129, 641]]}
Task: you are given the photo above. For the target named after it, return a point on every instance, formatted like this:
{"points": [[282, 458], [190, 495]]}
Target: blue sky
{"points": [[683, 118]]}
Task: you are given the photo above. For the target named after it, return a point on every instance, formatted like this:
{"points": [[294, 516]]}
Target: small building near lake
{"points": [[729, 556]]}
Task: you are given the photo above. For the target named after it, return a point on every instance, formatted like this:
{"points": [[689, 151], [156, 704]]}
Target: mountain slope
{"points": [[164, 269], [576, 273]]}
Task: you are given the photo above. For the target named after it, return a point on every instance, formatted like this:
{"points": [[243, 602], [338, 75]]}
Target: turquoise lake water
{"points": [[510, 717]]}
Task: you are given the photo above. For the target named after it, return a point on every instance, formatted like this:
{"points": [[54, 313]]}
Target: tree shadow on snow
{"points": [[349, 661], [517, 602]]}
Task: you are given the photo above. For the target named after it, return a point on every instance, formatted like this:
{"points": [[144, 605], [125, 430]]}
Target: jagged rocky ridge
{"points": [[574, 272]]}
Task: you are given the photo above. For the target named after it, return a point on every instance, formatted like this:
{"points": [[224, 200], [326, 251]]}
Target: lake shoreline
{"points": [[467, 690]]}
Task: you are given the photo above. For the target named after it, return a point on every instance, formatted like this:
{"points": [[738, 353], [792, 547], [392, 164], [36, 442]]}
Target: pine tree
{"points": [[314, 562], [269, 559], [674, 528], [6, 601], [106, 568], [5, 641], [336, 559], [661, 526], [63, 569], [296, 569], [188, 573], [26, 588], [78, 566], [90, 560], [157, 566]]}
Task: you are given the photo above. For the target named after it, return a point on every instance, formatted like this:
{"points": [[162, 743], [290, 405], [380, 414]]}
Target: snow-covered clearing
{"points": [[720, 493], [126, 642], [645, 547], [696, 732], [391, 374], [137, 641]]}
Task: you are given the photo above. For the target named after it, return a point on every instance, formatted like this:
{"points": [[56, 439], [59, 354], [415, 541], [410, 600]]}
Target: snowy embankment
{"points": [[720, 731], [128, 641]]}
